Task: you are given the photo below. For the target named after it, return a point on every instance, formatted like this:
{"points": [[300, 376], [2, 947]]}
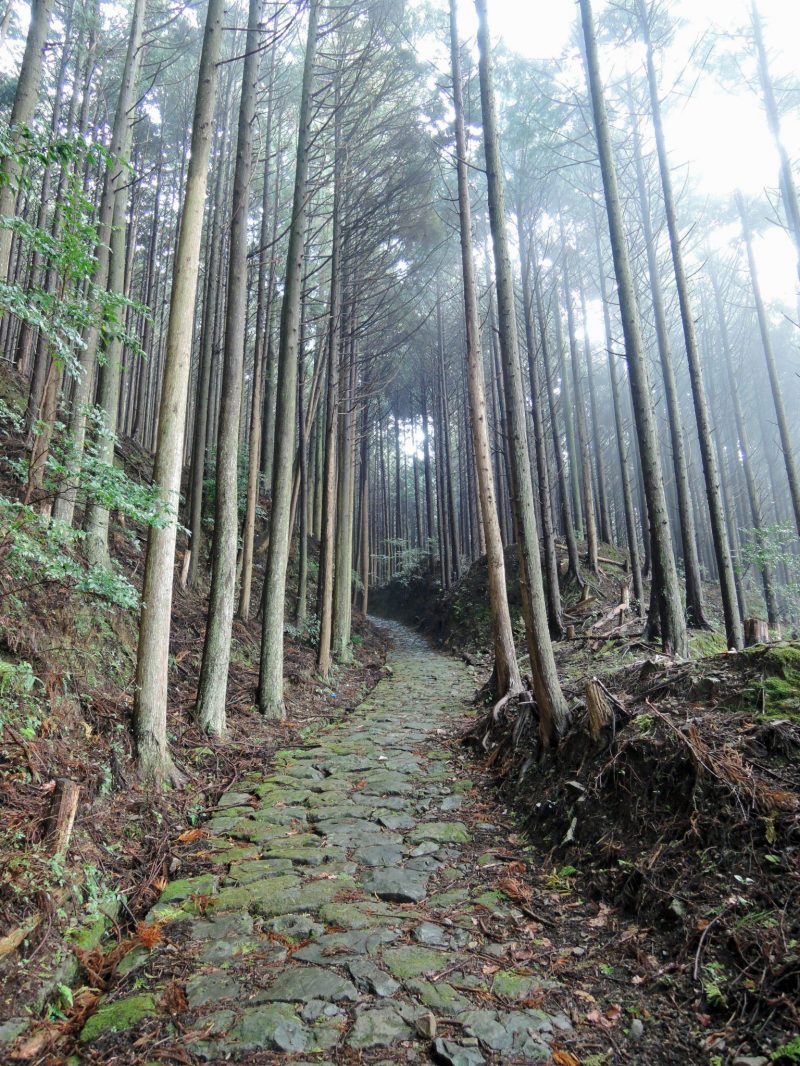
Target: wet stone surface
{"points": [[339, 912]]}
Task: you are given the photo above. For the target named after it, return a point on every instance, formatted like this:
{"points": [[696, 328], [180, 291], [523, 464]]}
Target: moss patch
{"points": [[118, 1016]]}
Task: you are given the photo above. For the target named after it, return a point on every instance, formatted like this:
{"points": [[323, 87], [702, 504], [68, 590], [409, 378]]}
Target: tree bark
{"points": [[506, 669], [673, 622], [22, 110], [722, 551], [270, 696], [152, 665], [213, 685], [553, 713], [695, 606]]}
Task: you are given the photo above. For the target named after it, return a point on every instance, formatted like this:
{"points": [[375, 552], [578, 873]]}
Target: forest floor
{"points": [[373, 899], [67, 665]]}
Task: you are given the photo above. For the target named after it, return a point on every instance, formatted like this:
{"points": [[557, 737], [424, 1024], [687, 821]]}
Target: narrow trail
{"points": [[342, 916]]}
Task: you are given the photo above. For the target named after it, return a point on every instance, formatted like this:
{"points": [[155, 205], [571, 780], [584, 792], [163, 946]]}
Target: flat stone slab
{"points": [[274, 1027], [304, 983], [378, 855], [397, 884], [413, 961], [378, 1028], [442, 832], [211, 987]]}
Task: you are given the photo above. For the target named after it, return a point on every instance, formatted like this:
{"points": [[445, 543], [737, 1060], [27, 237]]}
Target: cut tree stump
{"points": [[62, 815], [756, 631], [598, 707]]}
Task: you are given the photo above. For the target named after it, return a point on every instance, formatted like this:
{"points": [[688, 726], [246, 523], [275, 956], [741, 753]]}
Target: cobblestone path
{"points": [[343, 917]]}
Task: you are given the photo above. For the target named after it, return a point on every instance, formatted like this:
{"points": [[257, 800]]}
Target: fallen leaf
{"points": [[565, 1058], [514, 889], [174, 998], [190, 835], [606, 1019]]}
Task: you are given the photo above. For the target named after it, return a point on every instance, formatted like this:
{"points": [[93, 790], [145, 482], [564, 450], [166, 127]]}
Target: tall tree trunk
{"points": [[722, 551], [259, 359], [22, 110], [787, 185], [270, 696], [97, 517], [743, 441], [506, 669], [331, 422], [606, 533], [622, 447], [343, 546], [552, 588], [573, 560], [197, 465], [114, 180], [695, 607], [213, 685], [553, 713], [673, 622], [787, 446], [580, 423], [152, 664]]}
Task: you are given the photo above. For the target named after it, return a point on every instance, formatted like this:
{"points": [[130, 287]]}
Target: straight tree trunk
{"points": [[329, 474], [743, 442], [789, 458], [506, 670], [152, 664], [622, 447], [197, 466], [26, 98], [259, 359], [573, 559], [213, 685], [667, 593], [114, 179], [552, 587], [343, 546], [270, 695], [722, 551], [580, 423], [553, 713], [695, 606]]}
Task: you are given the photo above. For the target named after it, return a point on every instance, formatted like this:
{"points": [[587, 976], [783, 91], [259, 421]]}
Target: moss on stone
{"points": [[117, 1016]]}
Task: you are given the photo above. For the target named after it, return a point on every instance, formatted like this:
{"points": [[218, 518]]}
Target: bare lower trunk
{"points": [[673, 623], [722, 551], [152, 665], [506, 670], [270, 697], [213, 685], [553, 713]]}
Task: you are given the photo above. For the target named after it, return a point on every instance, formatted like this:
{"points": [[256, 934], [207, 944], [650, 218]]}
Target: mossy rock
{"points": [[412, 961], [508, 984], [203, 885], [441, 832], [118, 1016], [777, 692]]}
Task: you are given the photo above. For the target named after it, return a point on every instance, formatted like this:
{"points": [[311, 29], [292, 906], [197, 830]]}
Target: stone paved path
{"points": [[348, 922]]}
